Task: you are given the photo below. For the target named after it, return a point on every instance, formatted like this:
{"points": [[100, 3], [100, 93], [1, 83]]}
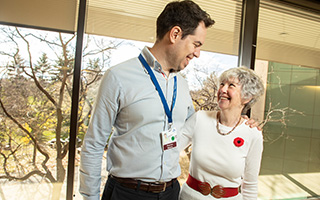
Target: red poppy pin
{"points": [[238, 142]]}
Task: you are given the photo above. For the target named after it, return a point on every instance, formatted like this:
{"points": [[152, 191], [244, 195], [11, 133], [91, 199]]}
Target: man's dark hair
{"points": [[185, 14]]}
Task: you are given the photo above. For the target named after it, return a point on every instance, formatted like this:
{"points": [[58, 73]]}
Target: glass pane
{"points": [[223, 37], [291, 146], [290, 164], [35, 96]]}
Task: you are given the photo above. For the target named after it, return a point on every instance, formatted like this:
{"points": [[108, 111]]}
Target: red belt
{"points": [[217, 191]]}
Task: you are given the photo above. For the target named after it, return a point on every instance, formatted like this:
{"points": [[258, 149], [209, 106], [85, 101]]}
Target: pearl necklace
{"points": [[218, 129]]}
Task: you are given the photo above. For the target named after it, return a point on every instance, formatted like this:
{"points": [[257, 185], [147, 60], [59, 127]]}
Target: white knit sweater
{"points": [[217, 160]]}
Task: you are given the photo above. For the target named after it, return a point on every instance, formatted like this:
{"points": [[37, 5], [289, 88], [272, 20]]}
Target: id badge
{"points": [[169, 139]]}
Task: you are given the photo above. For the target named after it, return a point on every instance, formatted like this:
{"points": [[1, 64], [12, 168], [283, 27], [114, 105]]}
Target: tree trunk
{"points": [[59, 164], [56, 191]]}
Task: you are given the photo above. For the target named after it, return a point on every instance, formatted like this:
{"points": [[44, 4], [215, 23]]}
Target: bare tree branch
{"points": [[33, 72], [49, 175]]}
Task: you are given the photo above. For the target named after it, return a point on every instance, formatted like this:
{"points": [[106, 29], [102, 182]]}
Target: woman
{"points": [[226, 153]]}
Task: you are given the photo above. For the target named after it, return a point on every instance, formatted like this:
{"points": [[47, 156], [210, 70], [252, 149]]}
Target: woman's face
{"points": [[229, 95]]}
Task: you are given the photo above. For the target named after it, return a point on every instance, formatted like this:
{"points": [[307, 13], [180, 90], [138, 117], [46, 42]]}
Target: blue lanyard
{"points": [[156, 84]]}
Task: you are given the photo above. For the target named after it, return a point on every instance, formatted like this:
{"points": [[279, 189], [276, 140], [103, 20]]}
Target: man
{"points": [[145, 102]]}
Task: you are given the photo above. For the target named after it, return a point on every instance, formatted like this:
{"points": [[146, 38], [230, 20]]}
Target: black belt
{"points": [[154, 187]]}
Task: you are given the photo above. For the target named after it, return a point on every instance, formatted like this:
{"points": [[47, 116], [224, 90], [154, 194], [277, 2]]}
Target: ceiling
{"points": [[288, 31]]}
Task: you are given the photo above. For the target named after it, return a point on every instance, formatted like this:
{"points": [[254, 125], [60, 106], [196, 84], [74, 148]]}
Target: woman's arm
{"points": [[252, 168]]}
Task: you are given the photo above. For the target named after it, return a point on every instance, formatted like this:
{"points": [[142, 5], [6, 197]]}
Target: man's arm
{"points": [[101, 122], [252, 123]]}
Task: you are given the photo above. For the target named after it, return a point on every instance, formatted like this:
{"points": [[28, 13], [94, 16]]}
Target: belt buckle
{"points": [[218, 191], [164, 186], [204, 188]]}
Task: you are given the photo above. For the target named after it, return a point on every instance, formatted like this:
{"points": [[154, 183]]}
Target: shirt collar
{"points": [[153, 63], [151, 60]]}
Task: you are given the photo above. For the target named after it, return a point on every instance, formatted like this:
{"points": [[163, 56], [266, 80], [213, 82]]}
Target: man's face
{"points": [[189, 47]]}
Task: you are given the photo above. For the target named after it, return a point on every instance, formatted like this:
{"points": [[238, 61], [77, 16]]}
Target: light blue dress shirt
{"points": [[128, 103]]}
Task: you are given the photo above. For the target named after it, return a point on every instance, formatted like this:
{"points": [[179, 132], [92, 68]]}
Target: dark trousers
{"points": [[114, 191]]}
